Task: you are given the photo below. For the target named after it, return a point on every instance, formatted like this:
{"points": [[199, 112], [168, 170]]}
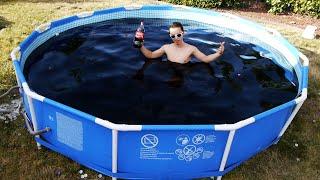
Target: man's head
{"points": [[176, 32]]}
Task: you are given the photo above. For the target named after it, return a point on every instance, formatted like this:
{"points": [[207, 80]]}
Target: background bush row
{"points": [[210, 3], [308, 7]]}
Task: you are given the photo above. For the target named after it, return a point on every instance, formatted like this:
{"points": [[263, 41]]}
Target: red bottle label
{"points": [[139, 35]]}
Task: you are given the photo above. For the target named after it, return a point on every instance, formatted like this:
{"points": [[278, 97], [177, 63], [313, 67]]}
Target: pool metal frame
{"points": [[31, 97]]}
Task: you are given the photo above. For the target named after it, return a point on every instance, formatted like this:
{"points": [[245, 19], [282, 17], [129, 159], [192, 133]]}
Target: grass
{"points": [[19, 158]]}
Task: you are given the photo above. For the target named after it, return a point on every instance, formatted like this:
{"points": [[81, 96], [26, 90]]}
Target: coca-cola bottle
{"points": [[139, 36]]}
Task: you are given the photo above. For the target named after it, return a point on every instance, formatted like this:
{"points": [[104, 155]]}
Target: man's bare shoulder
{"points": [[165, 46], [192, 47]]}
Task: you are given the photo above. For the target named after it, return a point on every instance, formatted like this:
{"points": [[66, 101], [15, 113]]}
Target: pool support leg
{"points": [[226, 152], [286, 125], [33, 118], [114, 152]]}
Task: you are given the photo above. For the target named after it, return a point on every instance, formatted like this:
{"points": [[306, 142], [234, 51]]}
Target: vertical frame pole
{"points": [[226, 152], [33, 117], [114, 152]]}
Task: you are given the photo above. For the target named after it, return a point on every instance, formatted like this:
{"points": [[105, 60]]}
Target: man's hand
{"points": [[221, 48]]}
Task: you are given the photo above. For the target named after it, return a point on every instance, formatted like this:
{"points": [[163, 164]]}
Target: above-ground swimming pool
{"points": [[93, 98]]}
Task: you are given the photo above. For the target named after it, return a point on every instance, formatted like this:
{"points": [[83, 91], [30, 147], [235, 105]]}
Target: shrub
{"points": [[280, 6], [309, 7], [210, 3]]}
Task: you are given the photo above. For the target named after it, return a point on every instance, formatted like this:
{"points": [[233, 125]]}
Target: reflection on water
{"points": [[95, 69]]}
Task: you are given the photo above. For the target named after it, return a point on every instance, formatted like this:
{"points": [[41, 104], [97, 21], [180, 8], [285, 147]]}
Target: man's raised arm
{"points": [[152, 54], [208, 58]]}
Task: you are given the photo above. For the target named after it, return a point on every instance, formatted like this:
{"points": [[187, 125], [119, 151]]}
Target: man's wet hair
{"points": [[176, 24]]}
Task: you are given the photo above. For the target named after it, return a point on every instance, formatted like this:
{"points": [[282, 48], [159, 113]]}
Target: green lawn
{"points": [[19, 158]]}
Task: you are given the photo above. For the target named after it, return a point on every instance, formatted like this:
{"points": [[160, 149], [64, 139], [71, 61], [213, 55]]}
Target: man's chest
{"points": [[179, 55]]}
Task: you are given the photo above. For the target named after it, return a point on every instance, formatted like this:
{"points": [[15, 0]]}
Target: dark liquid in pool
{"points": [[95, 69]]}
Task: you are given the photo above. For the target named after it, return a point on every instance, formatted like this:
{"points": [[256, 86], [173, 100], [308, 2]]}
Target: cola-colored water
{"points": [[94, 69]]}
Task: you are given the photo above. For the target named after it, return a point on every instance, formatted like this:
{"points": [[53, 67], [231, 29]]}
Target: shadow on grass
{"points": [[311, 55], [251, 6], [4, 23]]}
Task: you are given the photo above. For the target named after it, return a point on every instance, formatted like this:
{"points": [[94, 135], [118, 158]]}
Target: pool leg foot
{"points": [[215, 178], [277, 140], [38, 146]]}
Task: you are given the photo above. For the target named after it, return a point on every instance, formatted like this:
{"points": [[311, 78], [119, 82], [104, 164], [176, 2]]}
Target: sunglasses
{"points": [[178, 36]]}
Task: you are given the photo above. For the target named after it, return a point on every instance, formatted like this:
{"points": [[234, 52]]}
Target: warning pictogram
{"points": [[149, 141]]}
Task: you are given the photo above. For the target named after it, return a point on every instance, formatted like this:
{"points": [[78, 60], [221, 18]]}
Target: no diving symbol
{"points": [[149, 141]]}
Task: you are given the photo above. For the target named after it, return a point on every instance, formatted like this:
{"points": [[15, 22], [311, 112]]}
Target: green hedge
{"points": [[309, 7], [210, 3]]}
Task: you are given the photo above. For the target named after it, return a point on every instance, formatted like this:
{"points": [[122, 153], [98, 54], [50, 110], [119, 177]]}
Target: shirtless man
{"points": [[179, 51]]}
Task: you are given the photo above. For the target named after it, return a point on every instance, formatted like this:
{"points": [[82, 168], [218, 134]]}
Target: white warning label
{"points": [[149, 150], [190, 147], [210, 138], [207, 154], [154, 154]]}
